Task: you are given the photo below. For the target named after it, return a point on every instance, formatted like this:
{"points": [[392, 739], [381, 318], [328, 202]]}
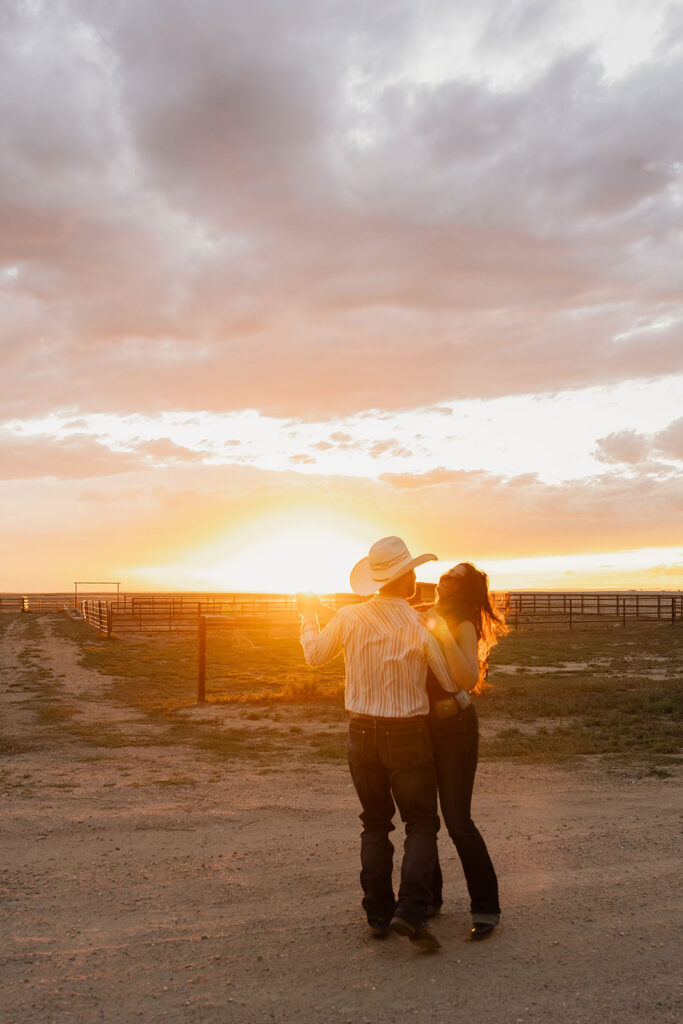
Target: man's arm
{"points": [[319, 646]]}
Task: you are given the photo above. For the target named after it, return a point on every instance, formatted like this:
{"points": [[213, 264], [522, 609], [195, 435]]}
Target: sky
{"points": [[279, 279]]}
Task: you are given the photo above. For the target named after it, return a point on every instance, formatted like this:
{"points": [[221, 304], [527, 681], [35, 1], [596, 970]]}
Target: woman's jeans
{"points": [[455, 742], [392, 766]]}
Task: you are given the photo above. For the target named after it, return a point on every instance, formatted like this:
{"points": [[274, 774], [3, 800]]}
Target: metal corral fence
{"points": [[98, 614], [271, 615], [274, 615], [11, 603], [592, 609]]}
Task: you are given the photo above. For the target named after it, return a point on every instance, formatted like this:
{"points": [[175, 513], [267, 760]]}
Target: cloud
{"points": [[380, 448], [163, 450], [491, 516], [669, 442], [635, 449], [77, 457], [302, 459], [80, 457], [195, 210], [623, 446]]}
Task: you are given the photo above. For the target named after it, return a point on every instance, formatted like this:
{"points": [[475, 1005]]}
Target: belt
{"points": [[387, 718]]}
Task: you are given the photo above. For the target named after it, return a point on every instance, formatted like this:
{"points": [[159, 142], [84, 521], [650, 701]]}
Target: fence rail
{"points": [[274, 615], [589, 610], [98, 614], [12, 603], [271, 615]]}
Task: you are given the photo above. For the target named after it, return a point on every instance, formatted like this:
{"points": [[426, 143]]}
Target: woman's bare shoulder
{"points": [[465, 631]]}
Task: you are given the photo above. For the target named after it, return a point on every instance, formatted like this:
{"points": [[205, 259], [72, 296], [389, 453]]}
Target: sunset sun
{"points": [[283, 553]]}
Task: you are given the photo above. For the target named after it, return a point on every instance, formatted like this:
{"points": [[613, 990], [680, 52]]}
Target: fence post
{"points": [[109, 618], [673, 610], [571, 609], [623, 612], [201, 674]]}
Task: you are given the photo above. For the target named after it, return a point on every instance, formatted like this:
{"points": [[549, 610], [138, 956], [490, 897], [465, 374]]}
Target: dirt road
{"points": [[151, 882]]}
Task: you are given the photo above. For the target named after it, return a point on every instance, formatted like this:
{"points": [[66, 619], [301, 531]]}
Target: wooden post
{"points": [[571, 608], [109, 620], [673, 610], [201, 675], [623, 611]]}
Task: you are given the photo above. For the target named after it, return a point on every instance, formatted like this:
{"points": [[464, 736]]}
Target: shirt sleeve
{"points": [[320, 646], [437, 662]]}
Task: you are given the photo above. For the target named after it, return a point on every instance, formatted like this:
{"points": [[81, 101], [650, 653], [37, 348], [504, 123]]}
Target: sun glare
{"points": [[280, 555]]}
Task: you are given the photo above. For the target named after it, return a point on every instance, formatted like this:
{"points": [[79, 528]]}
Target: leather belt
{"points": [[387, 718]]}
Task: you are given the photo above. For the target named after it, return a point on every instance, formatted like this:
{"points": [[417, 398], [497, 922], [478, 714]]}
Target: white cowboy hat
{"points": [[387, 559]]}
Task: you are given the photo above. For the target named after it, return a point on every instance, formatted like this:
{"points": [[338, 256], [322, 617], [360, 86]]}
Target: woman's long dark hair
{"points": [[465, 597]]}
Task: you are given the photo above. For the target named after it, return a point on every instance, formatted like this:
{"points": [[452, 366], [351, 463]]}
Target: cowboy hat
{"points": [[387, 559]]}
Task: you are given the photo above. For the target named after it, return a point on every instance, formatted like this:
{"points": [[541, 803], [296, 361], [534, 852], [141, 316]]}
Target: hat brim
{"points": [[364, 583]]}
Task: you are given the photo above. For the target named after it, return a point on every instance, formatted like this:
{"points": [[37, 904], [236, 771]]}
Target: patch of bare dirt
{"points": [[157, 883]]}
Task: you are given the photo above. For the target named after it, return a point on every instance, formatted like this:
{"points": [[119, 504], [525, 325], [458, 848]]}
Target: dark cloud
{"points": [[201, 202]]}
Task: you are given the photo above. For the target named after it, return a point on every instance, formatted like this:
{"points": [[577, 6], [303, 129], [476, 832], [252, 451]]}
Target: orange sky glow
{"points": [[267, 297]]}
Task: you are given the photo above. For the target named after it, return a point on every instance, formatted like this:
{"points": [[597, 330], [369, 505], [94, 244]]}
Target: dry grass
{"points": [[555, 697]]}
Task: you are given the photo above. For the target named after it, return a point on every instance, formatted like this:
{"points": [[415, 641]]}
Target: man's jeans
{"points": [[391, 760]]}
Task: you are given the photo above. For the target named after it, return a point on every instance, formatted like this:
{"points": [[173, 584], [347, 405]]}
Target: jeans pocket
{"points": [[357, 746], [410, 747]]}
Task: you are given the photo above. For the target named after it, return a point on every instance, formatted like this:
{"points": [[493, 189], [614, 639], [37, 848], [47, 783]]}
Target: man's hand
{"points": [[309, 603], [436, 625]]}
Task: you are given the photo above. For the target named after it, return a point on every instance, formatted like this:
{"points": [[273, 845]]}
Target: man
{"points": [[387, 652]]}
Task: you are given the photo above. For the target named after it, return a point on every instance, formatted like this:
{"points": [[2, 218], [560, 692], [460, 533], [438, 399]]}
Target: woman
{"points": [[467, 626]]}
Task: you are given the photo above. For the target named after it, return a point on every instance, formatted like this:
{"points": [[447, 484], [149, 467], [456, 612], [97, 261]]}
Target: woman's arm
{"points": [[460, 651]]}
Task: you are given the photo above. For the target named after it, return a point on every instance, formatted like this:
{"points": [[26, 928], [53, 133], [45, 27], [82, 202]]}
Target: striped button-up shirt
{"points": [[387, 651]]}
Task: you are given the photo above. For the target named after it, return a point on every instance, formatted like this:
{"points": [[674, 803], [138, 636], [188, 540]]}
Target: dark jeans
{"points": [[392, 761], [455, 742]]}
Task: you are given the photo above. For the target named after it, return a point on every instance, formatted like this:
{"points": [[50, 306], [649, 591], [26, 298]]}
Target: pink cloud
{"points": [[202, 224]]}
